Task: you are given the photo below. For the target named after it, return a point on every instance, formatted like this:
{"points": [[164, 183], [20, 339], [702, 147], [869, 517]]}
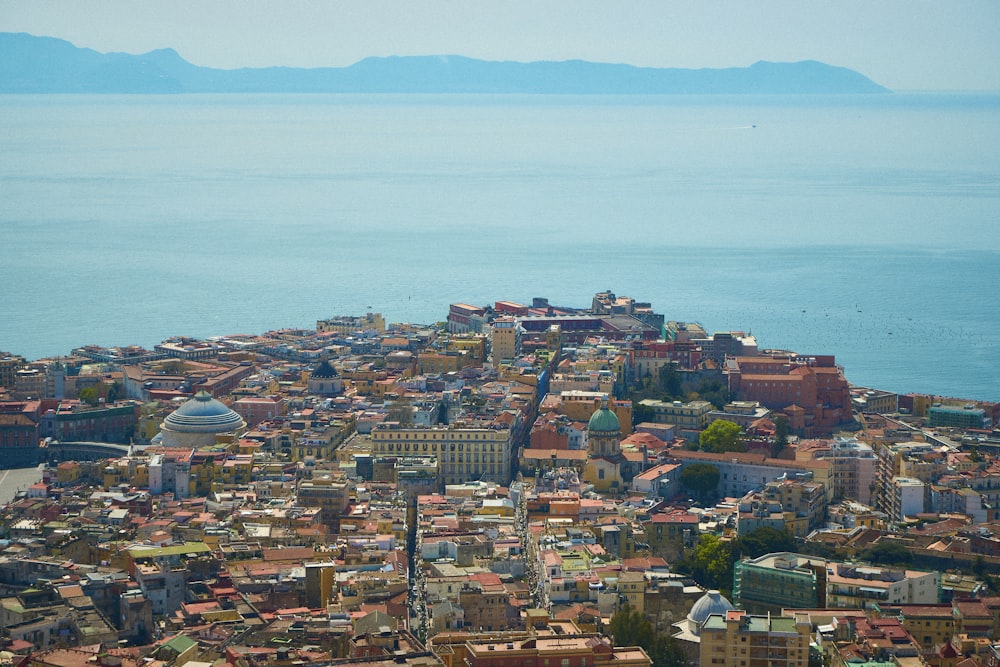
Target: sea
{"points": [[865, 226]]}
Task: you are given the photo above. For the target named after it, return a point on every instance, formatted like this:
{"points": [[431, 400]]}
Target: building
{"points": [[862, 587], [930, 624], [9, 365], [812, 391], [350, 324], [200, 422], [579, 327], [689, 629], [465, 450], [324, 380], [73, 421], [907, 498], [722, 344], [738, 639], [742, 472], [18, 440], [649, 357], [604, 461], [256, 409], [505, 339], [853, 474], [463, 318], [743, 413], [692, 416], [510, 649], [965, 416], [773, 582]]}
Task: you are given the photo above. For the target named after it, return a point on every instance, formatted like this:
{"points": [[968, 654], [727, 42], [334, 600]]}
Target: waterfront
{"points": [[859, 227]]}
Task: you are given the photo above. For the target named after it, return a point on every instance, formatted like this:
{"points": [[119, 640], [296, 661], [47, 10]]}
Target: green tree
{"points": [[114, 391], [700, 478], [710, 563], [642, 413], [669, 380], [780, 434], [89, 395], [629, 627], [721, 436], [887, 553], [764, 540]]}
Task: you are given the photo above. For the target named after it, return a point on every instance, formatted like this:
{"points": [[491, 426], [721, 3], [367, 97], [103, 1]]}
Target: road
{"points": [[15, 479]]}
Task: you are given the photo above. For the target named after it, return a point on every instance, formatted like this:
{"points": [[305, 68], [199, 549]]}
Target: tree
{"points": [[887, 553], [721, 436], [400, 411], [669, 380], [629, 627], [700, 478], [710, 563], [780, 434], [764, 540], [89, 395], [114, 391], [642, 413]]}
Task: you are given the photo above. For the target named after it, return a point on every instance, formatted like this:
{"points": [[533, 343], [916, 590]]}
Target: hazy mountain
{"points": [[30, 64]]}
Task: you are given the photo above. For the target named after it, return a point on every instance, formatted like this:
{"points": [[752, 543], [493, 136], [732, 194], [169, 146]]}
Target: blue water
{"points": [[864, 227]]}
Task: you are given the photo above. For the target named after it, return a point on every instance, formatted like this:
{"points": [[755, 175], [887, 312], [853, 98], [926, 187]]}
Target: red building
{"points": [[812, 391]]}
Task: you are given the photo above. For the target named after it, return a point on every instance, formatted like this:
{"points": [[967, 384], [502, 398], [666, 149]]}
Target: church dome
{"points": [[710, 603], [324, 371], [603, 420], [203, 414]]}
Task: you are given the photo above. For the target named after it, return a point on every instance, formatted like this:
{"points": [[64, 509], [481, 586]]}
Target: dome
{"points": [[324, 371], [710, 603], [604, 420], [203, 414]]}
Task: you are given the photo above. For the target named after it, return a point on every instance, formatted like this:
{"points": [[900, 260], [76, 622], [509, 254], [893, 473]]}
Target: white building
{"points": [[907, 498]]}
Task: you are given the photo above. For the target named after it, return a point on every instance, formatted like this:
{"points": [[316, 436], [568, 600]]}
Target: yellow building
{"points": [[465, 450], [604, 460], [128, 470], [505, 339], [150, 418], [442, 362], [930, 625], [472, 344], [632, 585], [737, 639], [68, 472]]}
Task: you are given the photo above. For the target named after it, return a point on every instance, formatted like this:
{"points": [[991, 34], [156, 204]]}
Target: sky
{"points": [[900, 44]]}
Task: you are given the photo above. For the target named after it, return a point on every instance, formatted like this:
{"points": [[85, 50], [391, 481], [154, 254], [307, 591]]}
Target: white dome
{"points": [[710, 603], [203, 414]]}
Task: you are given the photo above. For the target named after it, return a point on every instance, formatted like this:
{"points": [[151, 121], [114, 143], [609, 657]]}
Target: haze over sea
{"points": [[859, 226]]}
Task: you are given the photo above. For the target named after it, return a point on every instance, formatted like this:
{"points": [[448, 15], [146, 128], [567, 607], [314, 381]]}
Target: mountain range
{"points": [[32, 64]]}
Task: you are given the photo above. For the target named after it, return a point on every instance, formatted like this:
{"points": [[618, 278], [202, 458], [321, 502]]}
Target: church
{"points": [[604, 453]]}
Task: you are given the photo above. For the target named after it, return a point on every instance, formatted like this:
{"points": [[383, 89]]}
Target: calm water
{"points": [[861, 227]]}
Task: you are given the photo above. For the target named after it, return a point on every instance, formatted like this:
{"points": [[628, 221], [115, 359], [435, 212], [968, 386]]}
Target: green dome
{"points": [[604, 420]]}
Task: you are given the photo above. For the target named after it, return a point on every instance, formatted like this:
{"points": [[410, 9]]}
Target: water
{"points": [[863, 227]]}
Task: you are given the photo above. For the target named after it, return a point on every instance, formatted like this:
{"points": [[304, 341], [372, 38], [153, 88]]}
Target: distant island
{"points": [[32, 64]]}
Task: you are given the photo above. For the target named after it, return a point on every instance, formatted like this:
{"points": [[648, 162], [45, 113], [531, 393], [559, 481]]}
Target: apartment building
{"points": [[777, 581], [738, 639], [465, 450]]}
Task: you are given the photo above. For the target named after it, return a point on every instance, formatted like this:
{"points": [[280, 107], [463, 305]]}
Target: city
{"points": [[528, 484]]}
